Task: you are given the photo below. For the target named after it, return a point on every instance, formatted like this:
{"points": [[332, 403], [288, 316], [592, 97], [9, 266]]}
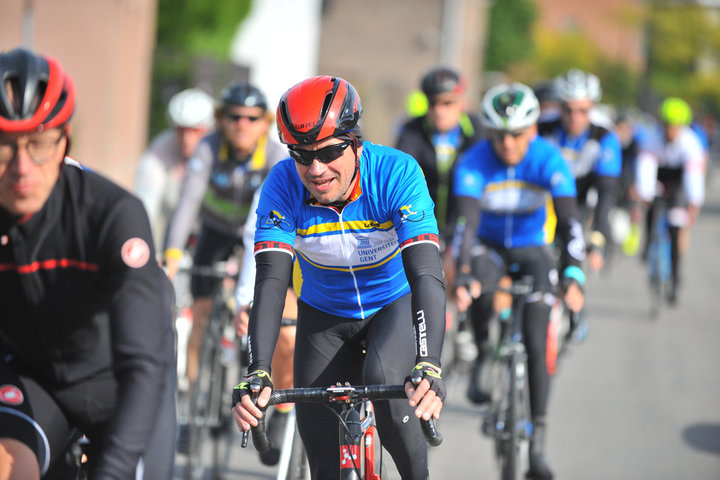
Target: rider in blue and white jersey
{"points": [[508, 188], [592, 150], [359, 222]]}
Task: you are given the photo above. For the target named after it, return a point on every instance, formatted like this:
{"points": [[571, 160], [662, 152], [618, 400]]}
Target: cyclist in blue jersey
{"points": [[503, 186], [592, 150], [358, 221]]}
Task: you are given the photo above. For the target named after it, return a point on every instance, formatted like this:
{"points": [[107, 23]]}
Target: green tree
{"points": [[681, 37], [189, 31], [510, 33]]}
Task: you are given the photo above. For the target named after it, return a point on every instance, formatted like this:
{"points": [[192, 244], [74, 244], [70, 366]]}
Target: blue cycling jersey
{"points": [[349, 260], [597, 150], [515, 201]]}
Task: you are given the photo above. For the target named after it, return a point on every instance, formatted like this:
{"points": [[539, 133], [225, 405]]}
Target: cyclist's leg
{"points": [[679, 236], [282, 376], [389, 359], [488, 266], [324, 354], [282, 363], [33, 429], [212, 247], [538, 263], [17, 461]]}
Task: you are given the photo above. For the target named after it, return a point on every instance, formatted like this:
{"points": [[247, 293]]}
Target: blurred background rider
{"points": [[190, 113]]}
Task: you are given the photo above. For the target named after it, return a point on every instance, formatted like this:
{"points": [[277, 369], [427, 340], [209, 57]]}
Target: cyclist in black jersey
{"points": [[220, 180], [86, 340], [436, 138]]}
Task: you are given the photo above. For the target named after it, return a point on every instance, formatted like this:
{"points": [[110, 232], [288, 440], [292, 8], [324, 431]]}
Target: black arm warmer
{"points": [[271, 282], [468, 209], [606, 187], [569, 231], [424, 273]]}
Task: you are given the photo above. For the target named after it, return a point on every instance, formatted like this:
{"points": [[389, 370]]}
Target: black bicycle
{"points": [[360, 449], [507, 419], [209, 423]]}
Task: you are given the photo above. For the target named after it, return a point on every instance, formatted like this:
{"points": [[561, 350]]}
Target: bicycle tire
{"points": [[208, 421], [298, 468], [658, 259], [292, 465], [508, 461]]}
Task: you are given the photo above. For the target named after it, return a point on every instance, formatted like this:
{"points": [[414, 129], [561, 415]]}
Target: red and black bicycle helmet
{"points": [[35, 92], [318, 108]]}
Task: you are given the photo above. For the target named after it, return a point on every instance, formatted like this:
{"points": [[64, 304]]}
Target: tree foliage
{"points": [[682, 52], [509, 37], [199, 26], [188, 30]]}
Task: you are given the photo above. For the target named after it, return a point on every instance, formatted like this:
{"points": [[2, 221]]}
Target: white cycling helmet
{"points": [[577, 85], [191, 108], [510, 106]]}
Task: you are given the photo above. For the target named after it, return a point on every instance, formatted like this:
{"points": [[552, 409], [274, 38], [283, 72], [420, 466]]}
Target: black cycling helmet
{"points": [[544, 90], [441, 80], [316, 109], [243, 94], [35, 92]]}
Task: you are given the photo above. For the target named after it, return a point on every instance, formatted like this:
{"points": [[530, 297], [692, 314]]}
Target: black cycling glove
{"points": [[464, 280], [426, 370], [254, 383]]}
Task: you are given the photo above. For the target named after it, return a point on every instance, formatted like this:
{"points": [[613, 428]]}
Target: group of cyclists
{"points": [[353, 252]]}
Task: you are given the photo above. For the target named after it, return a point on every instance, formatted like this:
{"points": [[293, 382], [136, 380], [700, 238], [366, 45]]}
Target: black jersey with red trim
{"points": [[83, 296]]}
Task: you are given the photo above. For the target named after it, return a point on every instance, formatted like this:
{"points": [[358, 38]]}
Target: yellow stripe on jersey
{"points": [[550, 221], [507, 184], [357, 225]]}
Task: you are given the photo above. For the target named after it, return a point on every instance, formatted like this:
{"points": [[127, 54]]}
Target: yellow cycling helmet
{"points": [[416, 104], [675, 111]]}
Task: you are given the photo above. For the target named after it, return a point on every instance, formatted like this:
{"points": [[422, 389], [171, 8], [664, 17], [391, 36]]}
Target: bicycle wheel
{"points": [[208, 424], [298, 468], [514, 436], [293, 461], [658, 260]]}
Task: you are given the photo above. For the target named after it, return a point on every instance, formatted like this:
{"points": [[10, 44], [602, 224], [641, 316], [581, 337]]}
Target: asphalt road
{"points": [[639, 399]]}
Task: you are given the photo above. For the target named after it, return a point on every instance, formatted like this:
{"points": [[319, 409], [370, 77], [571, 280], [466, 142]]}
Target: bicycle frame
{"points": [[509, 415], [209, 416], [659, 262]]}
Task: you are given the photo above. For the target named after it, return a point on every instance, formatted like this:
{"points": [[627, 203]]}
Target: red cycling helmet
{"points": [[316, 109], [35, 92]]}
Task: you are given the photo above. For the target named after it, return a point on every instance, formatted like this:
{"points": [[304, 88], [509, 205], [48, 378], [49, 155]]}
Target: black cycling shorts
{"points": [[212, 247], [378, 349], [30, 415], [48, 420]]}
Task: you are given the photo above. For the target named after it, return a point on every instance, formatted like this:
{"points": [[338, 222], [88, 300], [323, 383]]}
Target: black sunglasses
{"points": [[499, 135], [235, 117], [325, 155], [568, 110]]}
